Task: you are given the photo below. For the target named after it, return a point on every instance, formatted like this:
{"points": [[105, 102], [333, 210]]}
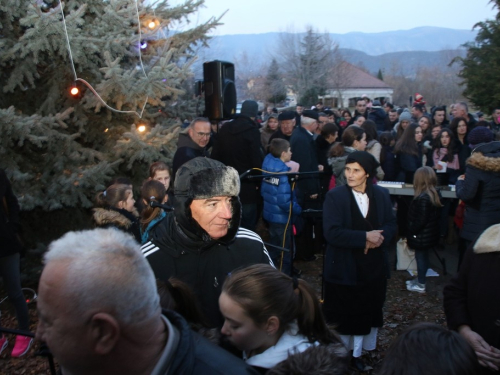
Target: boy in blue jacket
{"points": [[278, 200]]}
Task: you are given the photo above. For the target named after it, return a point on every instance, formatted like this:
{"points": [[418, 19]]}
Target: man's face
{"points": [[319, 106], [200, 133], [269, 110], [496, 116], [459, 111], [393, 116], [59, 325], [287, 126], [299, 109], [213, 215], [438, 117], [322, 121], [361, 106]]}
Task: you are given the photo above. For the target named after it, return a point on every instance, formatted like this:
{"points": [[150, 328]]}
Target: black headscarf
{"points": [[366, 160]]}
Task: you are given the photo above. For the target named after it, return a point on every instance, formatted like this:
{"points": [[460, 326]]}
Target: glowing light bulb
{"points": [[152, 25], [143, 44], [106, 130], [141, 128], [74, 91]]}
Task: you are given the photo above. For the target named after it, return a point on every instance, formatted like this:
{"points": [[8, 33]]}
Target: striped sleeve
{"points": [[248, 234]]}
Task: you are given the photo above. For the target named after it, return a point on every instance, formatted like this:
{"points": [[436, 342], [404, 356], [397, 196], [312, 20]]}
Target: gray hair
{"points": [[462, 105], [107, 271], [198, 119], [306, 120]]}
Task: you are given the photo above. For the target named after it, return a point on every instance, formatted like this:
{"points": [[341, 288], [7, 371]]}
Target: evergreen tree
{"points": [[380, 75], [59, 150], [275, 88], [481, 66]]}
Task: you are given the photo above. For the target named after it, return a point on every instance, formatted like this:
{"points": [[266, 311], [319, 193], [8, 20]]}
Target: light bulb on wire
{"points": [[152, 25], [74, 91], [141, 128]]}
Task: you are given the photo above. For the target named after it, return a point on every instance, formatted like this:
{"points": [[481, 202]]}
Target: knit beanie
{"points": [[405, 116], [479, 135], [249, 108]]}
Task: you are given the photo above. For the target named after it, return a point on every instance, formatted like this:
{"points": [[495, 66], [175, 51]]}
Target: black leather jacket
{"points": [[423, 223]]}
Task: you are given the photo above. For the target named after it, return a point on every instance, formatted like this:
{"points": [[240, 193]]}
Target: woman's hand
{"points": [[438, 167], [487, 355], [374, 239]]}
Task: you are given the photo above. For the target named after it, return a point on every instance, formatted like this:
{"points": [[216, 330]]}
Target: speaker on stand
{"points": [[220, 90]]}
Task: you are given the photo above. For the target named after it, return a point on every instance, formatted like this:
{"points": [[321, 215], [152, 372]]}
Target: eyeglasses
{"points": [[204, 135]]}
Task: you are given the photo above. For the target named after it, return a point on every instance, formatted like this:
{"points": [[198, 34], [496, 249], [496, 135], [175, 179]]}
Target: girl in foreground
{"points": [[269, 315]]}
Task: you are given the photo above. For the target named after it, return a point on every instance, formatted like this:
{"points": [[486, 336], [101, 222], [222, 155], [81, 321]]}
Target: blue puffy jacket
{"points": [[276, 192]]}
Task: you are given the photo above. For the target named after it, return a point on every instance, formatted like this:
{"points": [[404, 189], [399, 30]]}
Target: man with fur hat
{"points": [[238, 145], [200, 242]]}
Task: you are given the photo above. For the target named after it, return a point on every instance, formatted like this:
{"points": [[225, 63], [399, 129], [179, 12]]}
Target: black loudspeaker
{"points": [[220, 91]]}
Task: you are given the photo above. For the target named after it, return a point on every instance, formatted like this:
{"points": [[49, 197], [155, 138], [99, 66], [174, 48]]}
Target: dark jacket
{"points": [[119, 219], [195, 355], [389, 163], [279, 134], [378, 116], [423, 223], [179, 247], [480, 190], [408, 164], [238, 145], [276, 192], [343, 239], [472, 297], [187, 149], [9, 224], [304, 152]]}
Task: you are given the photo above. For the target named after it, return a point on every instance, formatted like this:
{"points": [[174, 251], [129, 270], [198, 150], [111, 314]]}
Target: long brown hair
{"points": [[425, 181], [113, 195], [151, 190], [407, 144], [263, 291]]}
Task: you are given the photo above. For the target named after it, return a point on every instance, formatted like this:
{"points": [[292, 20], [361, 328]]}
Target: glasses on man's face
{"points": [[203, 135]]}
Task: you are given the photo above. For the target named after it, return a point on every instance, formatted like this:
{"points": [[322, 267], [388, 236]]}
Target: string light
{"points": [[88, 84], [141, 128], [152, 25], [74, 91]]}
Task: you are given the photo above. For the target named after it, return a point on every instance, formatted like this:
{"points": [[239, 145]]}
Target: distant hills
{"points": [[420, 46]]}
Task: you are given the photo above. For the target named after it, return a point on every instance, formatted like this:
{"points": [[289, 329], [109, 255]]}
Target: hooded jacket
{"points": [[472, 297], [480, 190], [187, 149], [238, 145], [119, 219], [179, 247]]}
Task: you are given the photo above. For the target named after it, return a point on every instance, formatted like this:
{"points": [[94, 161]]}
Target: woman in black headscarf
{"points": [[359, 224]]}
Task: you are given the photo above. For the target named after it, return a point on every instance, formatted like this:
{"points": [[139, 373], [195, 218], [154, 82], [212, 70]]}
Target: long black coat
{"points": [[480, 190], [9, 225], [304, 152], [423, 223]]}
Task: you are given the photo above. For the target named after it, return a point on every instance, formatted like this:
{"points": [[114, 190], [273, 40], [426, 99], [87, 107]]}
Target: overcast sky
{"points": [[342, 16]]}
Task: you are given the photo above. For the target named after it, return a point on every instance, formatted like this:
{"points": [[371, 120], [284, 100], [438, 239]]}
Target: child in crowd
{"points": [[279, 202], [429, 349], [270, 316], [160, 171], [151, 191], [115, 208]]}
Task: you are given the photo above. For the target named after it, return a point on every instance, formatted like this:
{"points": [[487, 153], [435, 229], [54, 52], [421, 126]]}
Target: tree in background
{"points": [[59, 150], [307, 62], [274, 85], [481, 66]]}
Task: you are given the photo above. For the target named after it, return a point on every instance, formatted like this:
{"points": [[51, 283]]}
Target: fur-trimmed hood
{"points": [[104, 217], [488, 241], [486, 157]]}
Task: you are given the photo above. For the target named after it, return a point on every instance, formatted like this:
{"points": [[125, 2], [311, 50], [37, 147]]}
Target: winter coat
{"points": [[338, 165], [279, 134], [472, 297], [378, 116], [389, 164], [480, 190], [238, 145], [119, 219], [304, 152], [343, 239], [276, 192], [187, 149], [423, 223], [374, 147], [265, 133], [452, 168], [179, 247], [195, 355], [9, 224], [408, 164]]}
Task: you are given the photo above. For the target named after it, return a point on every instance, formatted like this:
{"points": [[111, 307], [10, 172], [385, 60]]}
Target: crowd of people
{"points": [[180, 282]]}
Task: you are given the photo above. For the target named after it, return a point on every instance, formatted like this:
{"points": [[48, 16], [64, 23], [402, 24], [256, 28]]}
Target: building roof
{"points": [[355, 78]]}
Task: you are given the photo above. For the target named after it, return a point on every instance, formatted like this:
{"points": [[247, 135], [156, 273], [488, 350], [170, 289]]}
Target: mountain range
{"points": [[418, 47]]}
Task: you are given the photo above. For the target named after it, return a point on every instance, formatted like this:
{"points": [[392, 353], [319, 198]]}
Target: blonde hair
{"points": [[425, 181]]}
